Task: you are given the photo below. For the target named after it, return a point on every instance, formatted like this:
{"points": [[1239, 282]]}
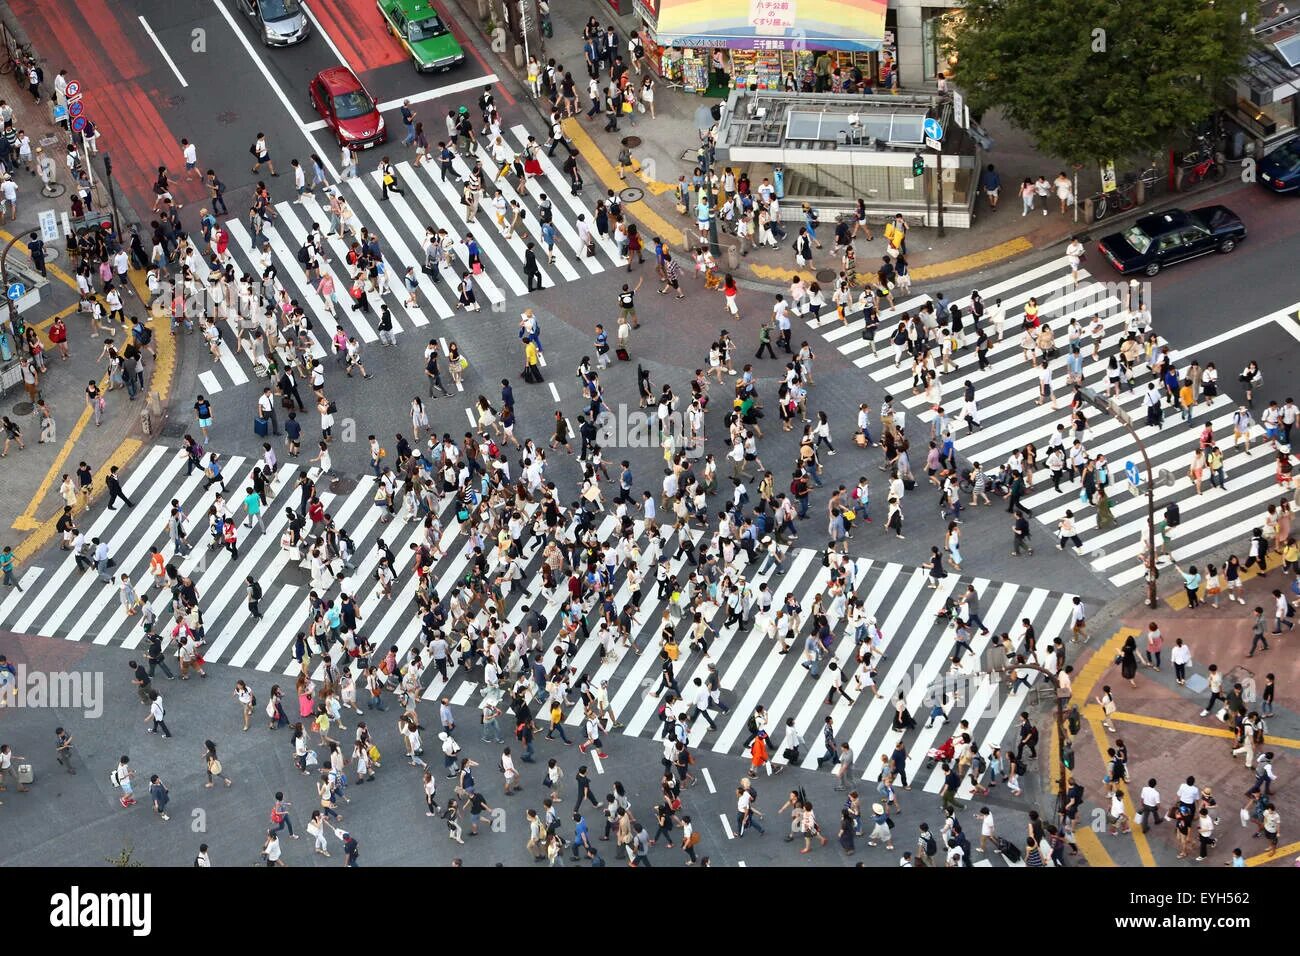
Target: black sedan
{"points": [[1279, 171], [1164, 238]]}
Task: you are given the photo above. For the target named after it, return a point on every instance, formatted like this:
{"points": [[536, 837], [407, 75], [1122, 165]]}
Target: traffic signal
{"points": [[918, 165]]}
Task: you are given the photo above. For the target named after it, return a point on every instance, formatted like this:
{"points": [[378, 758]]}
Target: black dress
{"points": [[1128, 664]]}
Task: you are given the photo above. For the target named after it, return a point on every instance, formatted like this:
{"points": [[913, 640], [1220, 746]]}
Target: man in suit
{"points": [[115, 489], [530, 266]]}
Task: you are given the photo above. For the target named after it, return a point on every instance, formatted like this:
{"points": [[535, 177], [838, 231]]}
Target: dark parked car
{"points": [[1279, 171], [1164, 238]]}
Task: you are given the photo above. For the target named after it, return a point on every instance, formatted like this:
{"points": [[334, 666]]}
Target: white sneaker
{"points": [[1205, 713]]}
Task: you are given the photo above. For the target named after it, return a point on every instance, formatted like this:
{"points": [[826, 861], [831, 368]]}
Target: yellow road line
{"points": [[1089, 845], [975, 260], [1183, 727], [1135, 830], [49, 267], [164, 373], [41, 326], [968, 263], [1093, 850], [1260, 859], [655, 187], [1103, 658], [606, 173], [1178, 600]]}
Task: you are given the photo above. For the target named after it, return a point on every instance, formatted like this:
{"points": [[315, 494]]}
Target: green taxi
{"points": [[423, 33]]}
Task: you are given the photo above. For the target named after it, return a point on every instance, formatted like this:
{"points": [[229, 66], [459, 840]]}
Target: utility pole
{"points": [[938, 192]]}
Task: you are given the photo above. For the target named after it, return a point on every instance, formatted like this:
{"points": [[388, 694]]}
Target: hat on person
{"points": [[442, 735], [877, 808]]}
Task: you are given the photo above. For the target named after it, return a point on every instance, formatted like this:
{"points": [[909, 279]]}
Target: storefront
{"points": [[1265, 99], [713, 46]]}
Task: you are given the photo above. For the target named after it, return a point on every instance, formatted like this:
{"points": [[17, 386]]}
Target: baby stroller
{"points": [[942, 753]]}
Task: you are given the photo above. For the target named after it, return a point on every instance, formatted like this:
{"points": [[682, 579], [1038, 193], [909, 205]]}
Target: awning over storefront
{"points": [[767, 24]]}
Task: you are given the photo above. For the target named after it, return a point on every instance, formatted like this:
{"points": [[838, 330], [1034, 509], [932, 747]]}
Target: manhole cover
{"points": [[23, 408], [631, 194], [827, 276], [173, 430], [343, 486], [631, 142]]}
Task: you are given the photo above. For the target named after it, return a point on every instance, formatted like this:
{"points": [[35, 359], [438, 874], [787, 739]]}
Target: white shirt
{"points": [[191, 153], [986, 825], [1150, 797], [1188, 793]]}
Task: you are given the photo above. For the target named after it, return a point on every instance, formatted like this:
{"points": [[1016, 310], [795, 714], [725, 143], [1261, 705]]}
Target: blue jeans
{"points": [[286, 822], [560, 729], [742, 826], [803, 507]]}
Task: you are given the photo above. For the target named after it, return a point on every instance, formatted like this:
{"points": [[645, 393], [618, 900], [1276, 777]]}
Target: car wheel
{"points": [[1227, 245], [1152, 268]]}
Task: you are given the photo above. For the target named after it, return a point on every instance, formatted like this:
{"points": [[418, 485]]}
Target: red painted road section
{"points": [[359, 32], [99, 50]]}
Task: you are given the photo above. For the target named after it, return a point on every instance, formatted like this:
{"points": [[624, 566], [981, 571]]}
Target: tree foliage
{"points": [[1093, 80]]}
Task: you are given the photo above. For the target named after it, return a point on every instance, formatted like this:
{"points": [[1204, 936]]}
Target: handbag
{"points": [[477, 268]]}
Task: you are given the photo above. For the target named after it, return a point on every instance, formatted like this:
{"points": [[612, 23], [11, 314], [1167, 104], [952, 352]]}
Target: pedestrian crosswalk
{"points": [[427, 200], [1007, 394], [61, 601]]}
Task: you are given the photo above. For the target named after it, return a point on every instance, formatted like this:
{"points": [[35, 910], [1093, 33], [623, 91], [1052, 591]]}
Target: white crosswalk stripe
{"points": [[1011, 418], [399, 226]]}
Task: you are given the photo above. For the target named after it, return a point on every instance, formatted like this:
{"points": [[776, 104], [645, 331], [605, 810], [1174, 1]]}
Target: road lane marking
{"points": [[270, 81], [163, 50]]}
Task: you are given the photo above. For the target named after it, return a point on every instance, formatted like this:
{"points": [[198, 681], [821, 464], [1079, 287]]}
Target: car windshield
{"points": [[1138, 239], [273, 10], [426, 28], [350, 105]]}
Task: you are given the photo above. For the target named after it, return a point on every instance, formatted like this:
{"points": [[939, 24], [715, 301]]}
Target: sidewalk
{"points": [[29, 512], [1167, 739], [669, 141]]}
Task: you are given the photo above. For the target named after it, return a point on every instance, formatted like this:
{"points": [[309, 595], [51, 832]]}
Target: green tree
{"points": [[1093, 80]]}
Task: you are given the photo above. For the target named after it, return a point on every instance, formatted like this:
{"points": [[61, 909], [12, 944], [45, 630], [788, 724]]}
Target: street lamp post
{"points": [[1115, 411]]}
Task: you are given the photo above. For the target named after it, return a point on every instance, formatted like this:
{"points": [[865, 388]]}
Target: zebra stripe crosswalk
{"points": [[1012, 417], [61, 602], [399, 224]]}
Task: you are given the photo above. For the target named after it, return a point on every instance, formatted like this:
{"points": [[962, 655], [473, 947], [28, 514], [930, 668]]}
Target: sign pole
{"points": [[938, 179]]}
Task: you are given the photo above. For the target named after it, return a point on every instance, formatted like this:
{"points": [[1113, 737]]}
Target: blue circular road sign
{"points": [[16, 291], [932, 129]]}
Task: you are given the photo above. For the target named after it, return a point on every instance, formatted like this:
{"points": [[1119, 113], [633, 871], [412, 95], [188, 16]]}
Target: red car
{"points": [[338, 96]]}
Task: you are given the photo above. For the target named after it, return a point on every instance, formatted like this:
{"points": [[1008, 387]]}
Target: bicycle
{"points": [[19, 57], [1208, 168]]}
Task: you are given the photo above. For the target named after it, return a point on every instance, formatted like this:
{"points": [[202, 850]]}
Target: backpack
{"points": [[931, 847], [146, 336], [303, 255], [114, 779]]}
